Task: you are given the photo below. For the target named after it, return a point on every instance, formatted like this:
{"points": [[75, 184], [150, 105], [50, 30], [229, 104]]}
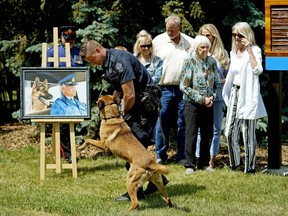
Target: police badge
{"points": [[119, 67]]}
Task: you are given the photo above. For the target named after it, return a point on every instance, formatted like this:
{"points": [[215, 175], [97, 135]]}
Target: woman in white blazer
{"points": [[241, 94]]}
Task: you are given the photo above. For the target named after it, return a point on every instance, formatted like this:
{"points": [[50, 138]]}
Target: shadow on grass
{"points": [[156, 200], [88, 167]]}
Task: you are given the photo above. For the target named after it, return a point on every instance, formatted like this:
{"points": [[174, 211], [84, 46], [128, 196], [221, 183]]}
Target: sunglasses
{"points": [[146, 46], [207, 35], [238, 35]]}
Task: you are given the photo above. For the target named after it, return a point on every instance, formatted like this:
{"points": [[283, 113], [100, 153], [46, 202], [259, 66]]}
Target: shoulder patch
{"points": [[119, 67]]}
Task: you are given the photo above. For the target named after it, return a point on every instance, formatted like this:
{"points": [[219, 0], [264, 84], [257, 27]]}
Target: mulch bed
{"points": [[20, 135]]}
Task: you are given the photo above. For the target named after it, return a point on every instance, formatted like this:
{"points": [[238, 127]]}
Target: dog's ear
{"points": [[100, 104], [36, 82], [117, 100], [45, 82]]}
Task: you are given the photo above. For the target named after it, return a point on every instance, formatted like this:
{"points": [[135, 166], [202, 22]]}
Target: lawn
{"points": [[100, 181]]}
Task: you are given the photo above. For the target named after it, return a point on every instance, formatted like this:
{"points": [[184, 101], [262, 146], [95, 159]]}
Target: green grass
{"points": [[100, 181]]}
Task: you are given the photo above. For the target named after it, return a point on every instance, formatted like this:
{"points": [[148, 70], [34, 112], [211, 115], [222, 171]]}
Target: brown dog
{"points": [[40, 95], [116, 136]]}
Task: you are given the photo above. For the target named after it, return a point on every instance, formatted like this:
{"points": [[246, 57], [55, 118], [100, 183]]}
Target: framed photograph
{"points": [[55, 93]]}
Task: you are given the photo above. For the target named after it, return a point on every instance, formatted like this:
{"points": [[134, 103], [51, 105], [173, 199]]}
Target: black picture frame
{"points": [[41, 87]]}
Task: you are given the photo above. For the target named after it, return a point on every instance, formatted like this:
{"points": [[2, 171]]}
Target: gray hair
{"points": [[173, 18]]}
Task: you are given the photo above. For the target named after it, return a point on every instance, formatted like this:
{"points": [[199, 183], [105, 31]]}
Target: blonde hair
{"points": [[217, 48], [140, 39], [244, 29], [121, 48], [143, 33]]}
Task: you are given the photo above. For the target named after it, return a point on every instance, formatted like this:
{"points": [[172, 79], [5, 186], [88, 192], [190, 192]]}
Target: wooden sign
{"points": [[276, 34]]}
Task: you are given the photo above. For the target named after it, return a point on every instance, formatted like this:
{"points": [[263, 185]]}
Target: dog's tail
{"points": [[155, 167]]}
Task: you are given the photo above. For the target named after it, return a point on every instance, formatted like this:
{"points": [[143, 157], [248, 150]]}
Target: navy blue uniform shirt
{"points": [[65, 106], [121, 66], [61, 53]]}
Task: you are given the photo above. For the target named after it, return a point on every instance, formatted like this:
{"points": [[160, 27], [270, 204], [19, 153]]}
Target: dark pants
{"points": [[65, 140], [142, 124], [198, 116]]}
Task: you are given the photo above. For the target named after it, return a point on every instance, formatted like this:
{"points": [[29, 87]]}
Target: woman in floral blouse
{"points": [[200, 83]]}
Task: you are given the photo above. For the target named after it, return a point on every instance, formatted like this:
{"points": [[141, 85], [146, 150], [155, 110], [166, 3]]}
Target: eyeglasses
{"points": [[146, 46], [238, 35]]}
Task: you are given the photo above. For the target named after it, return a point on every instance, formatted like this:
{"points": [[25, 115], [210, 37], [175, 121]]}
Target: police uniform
{"points": [[66, 106], [121, 67], [69, 33]]}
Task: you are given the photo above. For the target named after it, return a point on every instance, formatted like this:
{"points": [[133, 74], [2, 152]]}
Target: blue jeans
{"points": [[217, 128], [172, 97]]}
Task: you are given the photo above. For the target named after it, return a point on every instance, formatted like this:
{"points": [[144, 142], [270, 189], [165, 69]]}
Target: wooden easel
{"points": [[56, 122]]}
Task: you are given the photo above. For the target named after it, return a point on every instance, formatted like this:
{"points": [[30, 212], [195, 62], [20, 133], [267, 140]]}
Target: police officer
{"points": [[68, 35], [68, 104], [129, 79]]}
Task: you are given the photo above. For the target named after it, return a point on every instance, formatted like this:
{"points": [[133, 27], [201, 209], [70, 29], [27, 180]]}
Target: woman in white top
{"points": [[241, 94]]}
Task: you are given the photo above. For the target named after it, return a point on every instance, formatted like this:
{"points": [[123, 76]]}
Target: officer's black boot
{"points": [[151, 188], [126, 197]]}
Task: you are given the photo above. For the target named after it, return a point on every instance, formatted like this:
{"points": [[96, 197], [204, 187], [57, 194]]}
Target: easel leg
{"points": [[57, 146], [42, 152], [53, 142], [73, 150]]}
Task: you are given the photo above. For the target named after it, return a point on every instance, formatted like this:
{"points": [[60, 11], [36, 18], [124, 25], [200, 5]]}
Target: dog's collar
{"points": [[111, 117]]}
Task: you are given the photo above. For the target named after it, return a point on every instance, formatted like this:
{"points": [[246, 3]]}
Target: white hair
{"points": [[201, 40]]}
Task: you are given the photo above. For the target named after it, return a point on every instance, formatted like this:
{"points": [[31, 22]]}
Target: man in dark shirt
{"points": [[129, 79]]}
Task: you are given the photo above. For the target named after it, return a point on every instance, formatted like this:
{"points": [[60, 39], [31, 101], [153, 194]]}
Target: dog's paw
{"points": [[132, 207], [81, 147]]}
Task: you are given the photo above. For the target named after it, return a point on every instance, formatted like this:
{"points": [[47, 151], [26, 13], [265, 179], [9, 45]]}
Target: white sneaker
{"points": [[210, 169], [189, 171]]}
